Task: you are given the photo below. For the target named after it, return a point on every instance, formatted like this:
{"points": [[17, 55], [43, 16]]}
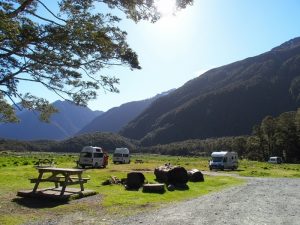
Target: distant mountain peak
{"points": [[115, 118], [68, 121]]}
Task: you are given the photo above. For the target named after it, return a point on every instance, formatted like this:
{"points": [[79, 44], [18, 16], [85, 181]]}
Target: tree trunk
{"points": [[135, 180], [195, 175], [171, 175]]}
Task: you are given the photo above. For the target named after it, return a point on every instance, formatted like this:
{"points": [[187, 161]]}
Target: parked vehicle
{"points": [[121, 155], [223, 160], [275, 159], [93, 156]]}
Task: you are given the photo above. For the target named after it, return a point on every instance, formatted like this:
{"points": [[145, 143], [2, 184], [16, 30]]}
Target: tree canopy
{"points": [[66, 51]]}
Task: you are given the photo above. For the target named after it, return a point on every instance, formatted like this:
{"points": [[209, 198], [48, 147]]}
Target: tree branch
{"points": [[45, 19], [10, 76], [55, 90], [51, 11], [20, 9]]}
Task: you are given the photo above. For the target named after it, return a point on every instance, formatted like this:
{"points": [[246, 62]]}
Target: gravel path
{"points": [[260, 201]]}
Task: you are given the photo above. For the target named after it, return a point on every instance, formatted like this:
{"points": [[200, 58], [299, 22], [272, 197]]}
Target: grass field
{"points": [[114, 200]]}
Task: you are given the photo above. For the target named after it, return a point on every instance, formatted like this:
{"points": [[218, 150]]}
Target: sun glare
{"points": [[166, 7]]}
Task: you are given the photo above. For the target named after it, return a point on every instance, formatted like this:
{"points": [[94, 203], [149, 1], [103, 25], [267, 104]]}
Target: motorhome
{"points": [[93, 156], [121, 155], [275, 159], [223, 160]]}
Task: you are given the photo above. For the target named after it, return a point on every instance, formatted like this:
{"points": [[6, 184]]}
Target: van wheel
{"points": [[82, 166], [96, 165]]}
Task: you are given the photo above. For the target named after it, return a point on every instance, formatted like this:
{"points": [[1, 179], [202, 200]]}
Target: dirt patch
{"points": [[77, 213], [90, 200]]}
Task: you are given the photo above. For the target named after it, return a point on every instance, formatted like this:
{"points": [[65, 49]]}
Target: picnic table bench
{"points": [[59, 181]]}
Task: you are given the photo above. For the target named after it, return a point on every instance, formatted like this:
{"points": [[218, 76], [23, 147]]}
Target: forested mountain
{"points": [[68, 121], [225, 101], [114, 119]]}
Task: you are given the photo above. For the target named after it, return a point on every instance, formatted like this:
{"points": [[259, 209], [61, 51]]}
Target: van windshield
{"points": [[86, 154], [117, 155], [98, 155], [217, 159]]}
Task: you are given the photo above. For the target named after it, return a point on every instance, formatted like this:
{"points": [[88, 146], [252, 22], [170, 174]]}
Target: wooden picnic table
{"points": [[62, 176]]}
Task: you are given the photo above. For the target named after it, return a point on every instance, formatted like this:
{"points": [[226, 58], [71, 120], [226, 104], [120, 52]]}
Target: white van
{"points": [[275, 159], [93, 156], [121, 155], [223, 160]]}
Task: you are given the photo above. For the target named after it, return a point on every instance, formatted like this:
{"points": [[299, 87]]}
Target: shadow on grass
{"points": [[39, 203], [182, 187], [178, 187], [226, 170], [239, 170]]}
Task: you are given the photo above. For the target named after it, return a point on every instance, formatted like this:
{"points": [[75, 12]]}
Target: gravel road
{"points": [[260, 201]]}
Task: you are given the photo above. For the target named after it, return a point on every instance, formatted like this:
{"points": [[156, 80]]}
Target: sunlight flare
{"points": [[166, 7]]}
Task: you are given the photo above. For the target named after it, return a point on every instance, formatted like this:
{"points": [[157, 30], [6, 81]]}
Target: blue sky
{"points": [[209, 34]]}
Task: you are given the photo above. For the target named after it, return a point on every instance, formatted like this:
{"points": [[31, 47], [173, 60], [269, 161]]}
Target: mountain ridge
{"points": [[117, 117], [63, 124], [221, 101]]}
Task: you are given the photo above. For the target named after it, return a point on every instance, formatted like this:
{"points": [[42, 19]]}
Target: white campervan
{"points": [[93, 156], [223, 160], [121, 155], [275, 159]]}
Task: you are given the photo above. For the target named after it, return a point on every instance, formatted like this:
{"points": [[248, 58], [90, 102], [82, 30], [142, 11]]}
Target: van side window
{"points": [[86, 154], [98, 155], [125, 155]]}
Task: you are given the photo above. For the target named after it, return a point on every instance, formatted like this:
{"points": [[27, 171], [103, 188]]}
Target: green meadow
{"points": [[113, 200]]}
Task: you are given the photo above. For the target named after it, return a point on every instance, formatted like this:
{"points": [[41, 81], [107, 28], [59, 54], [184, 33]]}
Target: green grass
{"points": [[137, 200], [112, 199], [264, 169]]}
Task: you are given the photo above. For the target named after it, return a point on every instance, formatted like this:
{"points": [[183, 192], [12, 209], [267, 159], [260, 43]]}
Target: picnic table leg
{"points": [[37, 182], [81, 182], [63, 188], [54, 174]]}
